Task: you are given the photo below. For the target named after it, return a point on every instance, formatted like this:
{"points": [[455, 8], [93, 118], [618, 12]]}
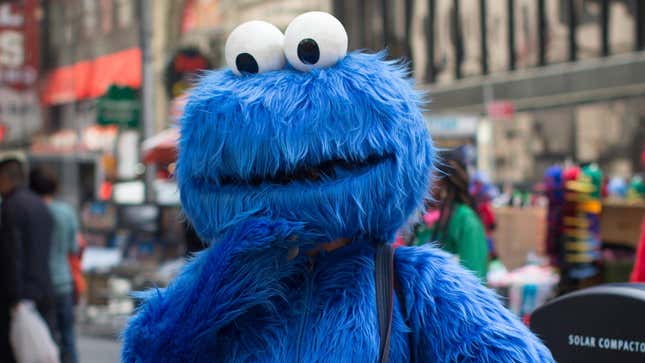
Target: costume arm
{"points": [[454, 318], [241, 271]]}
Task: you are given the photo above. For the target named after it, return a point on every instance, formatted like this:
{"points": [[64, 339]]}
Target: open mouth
{"points": [[325, 171]]}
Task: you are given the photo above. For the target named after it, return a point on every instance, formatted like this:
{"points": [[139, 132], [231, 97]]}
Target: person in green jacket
{"points": [[451, 220]]}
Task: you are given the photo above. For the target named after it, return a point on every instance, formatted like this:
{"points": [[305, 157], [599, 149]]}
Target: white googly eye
{"points": [[255, 47], [314, 40]]}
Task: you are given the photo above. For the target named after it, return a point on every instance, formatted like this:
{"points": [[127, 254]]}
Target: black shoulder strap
{"points": [[385, 286], [384, 277]]}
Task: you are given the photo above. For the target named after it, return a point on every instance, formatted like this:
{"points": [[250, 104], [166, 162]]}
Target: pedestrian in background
{"points": [[451, 221], [25, 239], [44, 182], [482, 192]]}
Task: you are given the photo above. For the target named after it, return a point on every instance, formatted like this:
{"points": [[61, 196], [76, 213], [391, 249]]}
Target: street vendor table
{"points": [[620, 222], [519, 231]]}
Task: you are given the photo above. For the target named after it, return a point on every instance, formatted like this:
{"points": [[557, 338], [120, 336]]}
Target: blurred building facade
{"points": [[528, 82], [87, 47], [548, 80], [20, 67], [73, 72], [90, 47]]}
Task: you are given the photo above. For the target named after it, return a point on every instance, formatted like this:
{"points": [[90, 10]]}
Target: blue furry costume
{"points": [[282, 161]]}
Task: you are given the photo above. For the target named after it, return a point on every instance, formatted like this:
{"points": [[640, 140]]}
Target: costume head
{"points": [[300, 130]]}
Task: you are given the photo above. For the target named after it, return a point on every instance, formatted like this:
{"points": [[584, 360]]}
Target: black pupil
{"points": [[246, 63], [308, 51]]}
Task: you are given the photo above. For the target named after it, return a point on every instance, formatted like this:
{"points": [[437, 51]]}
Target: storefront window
{"points": [[526, 33], [107, 14], [557, 32], [621, 26], [444, 41], [588, 29], [610, 134], [89, 17], [124, 13], [471, 38], [497, 36]]}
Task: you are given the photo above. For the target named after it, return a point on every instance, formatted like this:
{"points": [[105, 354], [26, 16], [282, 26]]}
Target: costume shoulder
{"points": [[454, 318]]}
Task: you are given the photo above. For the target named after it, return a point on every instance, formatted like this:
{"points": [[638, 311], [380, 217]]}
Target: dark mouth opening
{"points": [[325, 171]]}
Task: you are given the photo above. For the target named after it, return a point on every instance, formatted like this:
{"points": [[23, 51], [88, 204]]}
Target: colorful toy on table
{"points": [[581, 221], [636, 190], [554, 190], [526, 288], [617, 188]]}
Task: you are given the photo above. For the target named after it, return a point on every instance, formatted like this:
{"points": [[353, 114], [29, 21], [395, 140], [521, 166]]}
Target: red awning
{"points": [[91, 78]]}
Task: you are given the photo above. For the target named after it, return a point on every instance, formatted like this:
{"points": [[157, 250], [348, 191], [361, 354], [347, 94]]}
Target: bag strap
{"points": [[385, 286], [412, 346], [384, 278]]}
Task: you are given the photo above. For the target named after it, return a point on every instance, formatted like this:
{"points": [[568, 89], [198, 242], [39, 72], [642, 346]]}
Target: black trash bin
{"points": [[605, 323]]}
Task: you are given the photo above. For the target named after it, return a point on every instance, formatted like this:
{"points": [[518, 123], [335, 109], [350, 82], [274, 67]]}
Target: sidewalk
{"points": [[97, 330], [98, 350]]}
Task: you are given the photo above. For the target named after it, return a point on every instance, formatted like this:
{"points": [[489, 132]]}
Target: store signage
{"points": [[185, 64], [3, 131], [119, 106], [19, 47], [131, 192], [574, 331], [500, 110], [20, 113], [452, 126], [201, 15], [99, 138]]}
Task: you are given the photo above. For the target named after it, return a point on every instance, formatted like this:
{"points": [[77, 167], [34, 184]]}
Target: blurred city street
{"points": [[526, 119]]}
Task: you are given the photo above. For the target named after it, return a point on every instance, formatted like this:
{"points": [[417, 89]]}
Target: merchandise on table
{"points": [[554, 190], [617, 188], [525, 288], [581, 222], [573, 234], [636, 190]]}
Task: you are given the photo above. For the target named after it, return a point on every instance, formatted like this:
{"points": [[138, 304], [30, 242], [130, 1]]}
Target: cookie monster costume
{"points": [[296, 145]]}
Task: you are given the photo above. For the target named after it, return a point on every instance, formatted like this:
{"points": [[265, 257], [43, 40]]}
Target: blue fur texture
{"points": [[265, 124], [246, 143]]}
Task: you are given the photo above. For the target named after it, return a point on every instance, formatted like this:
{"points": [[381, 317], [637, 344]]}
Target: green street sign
{"points": [[119, 106]]}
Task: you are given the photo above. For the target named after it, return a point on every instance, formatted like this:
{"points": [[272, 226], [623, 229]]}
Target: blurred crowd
{"points": [[39, 255]]}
